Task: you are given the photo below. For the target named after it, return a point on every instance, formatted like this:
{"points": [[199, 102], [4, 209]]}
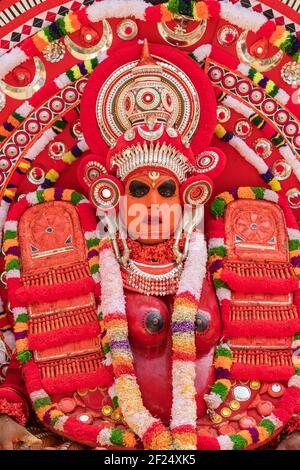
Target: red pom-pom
{"points": [[207, 443], [153, 14], [267, 29], [28, 47], [82, 17], [214, 9]]}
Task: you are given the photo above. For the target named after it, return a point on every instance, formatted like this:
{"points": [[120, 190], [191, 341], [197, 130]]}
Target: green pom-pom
{"points": [[173, 6], [100, 316], [41, 402], [94, 62], [40, 196], [76, 197], [22, 318], [217, 207], [24, 356], [219, 284], [115, 402], [92, 242], [10, 235], [219, 250], [18, 116], [220, 389], [70, 75], [259, 192], [95, 268], [239, 442], [274, 91], [60, 23], [220, 351], [297, 335], [268, 425], [106, 348], [294, 245], [54, 420], [117, 437], [13, 264], [297, 371]]}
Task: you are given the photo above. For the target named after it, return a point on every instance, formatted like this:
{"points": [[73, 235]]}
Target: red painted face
{"points": [[153, 208]]}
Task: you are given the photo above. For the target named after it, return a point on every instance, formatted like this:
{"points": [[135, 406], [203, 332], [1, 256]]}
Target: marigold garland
{"points": [[217, 251], [222, 385], [47, 411], [258, 121], [249, 155], [202, 10], [268, 426], [184, 413]]}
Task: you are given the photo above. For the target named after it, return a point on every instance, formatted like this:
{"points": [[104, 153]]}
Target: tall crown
{"points": [[148, 98]]}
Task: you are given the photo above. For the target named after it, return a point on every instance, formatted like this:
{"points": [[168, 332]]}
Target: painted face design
{"points": [[153, 208]]}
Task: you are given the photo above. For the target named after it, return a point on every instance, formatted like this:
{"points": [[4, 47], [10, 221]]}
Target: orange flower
{"points": [[166, 14], [201, 11]]}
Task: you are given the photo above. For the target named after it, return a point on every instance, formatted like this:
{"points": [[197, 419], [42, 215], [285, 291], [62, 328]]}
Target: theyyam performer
{"points": [[149, 220]]}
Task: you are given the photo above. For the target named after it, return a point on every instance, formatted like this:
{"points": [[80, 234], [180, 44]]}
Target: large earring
{"points": [[196, 190], [210, 162], [89, 170], [194, 219], [105, 193]]}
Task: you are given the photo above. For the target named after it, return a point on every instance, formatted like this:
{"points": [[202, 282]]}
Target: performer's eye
{"points": [[167, 188], [138, 188]]}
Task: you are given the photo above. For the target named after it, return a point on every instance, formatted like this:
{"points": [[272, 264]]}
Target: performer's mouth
{"points": [[152, 220]]}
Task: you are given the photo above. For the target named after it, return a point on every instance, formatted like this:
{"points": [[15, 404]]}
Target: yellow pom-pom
{"points": [[246, 193], [220, 131], [275, 185]]}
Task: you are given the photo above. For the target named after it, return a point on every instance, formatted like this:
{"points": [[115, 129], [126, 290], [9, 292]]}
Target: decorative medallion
{"points": [[262, 147], [105, 194], [180, 34], [92, 171], [36, 175], [127, 30], [56, 150], [76, 130], [227, 35], [172, 132], [197, 193], [290, 73], [241, 393], [22, 75], [86, 53], [223, 113], [206, 161], [38, 120], [281, 169], [242, 129], [129, 135], [293, 197], [24, 92], [226, 412], [89, 36], [55, 51], [262, 64]]}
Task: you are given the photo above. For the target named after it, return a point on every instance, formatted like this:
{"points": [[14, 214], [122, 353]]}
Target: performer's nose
{"points": [[152, 198]]}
